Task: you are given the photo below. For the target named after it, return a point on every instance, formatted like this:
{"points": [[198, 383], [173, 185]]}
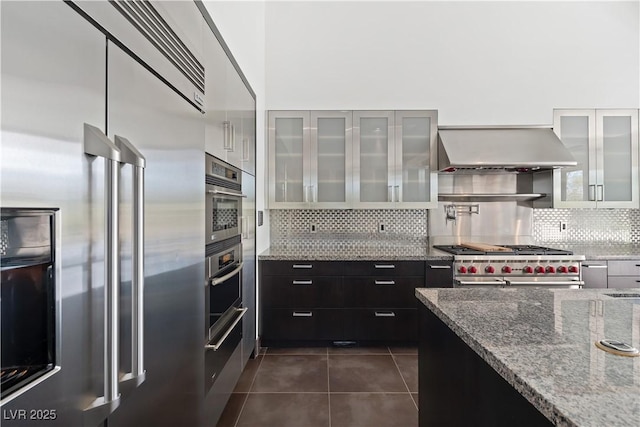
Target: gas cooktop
{"points": [[512, 250]]}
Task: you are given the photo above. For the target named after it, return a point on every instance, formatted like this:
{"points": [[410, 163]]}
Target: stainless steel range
{"points": [[479, 264]]}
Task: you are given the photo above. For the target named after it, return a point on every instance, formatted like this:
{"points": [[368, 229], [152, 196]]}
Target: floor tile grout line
{"points": [[250, 387], [404, 381], [328, 389]]}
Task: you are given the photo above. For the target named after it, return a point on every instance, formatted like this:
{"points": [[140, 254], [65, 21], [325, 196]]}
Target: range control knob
{"points": [[507, 269], [462, 269], [551, 269], [490, 269], [473, 269], [528, 269], [563, 269], [573, 269], [539, 269]]}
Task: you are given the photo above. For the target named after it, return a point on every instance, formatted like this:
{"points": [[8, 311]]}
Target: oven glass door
{"points": [[223, 215]]}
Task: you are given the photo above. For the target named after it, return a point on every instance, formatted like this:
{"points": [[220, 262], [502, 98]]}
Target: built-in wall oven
{"points": [[223, 266], [28, 298], [223, 200]]}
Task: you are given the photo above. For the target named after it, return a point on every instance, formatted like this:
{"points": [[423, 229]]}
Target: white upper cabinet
{"points": [[394, 159], [605, 145], [360, 159]]}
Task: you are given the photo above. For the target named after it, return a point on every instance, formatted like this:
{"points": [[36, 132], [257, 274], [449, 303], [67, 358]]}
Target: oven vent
{"points": [[148, 21], [217, 247], [214, 180]]}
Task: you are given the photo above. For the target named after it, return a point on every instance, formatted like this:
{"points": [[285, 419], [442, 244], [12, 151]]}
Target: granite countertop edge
{"points": [[547, 408]]}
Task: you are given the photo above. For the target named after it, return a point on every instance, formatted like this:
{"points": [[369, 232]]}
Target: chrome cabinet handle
{"points": [[385, 282], [397, 191], [592, 193], [221, 279], [600, 193], [131, 155], [439, 267], [97, 144], [383, 266], [385, 314], [302, 282], [226, 125], [302, 314], [302, 266], [594, 266], [217, 345], [390, 193], [245, 150]]}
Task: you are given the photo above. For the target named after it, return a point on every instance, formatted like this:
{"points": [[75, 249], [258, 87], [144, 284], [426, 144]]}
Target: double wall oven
{"points": [[223, 266]]}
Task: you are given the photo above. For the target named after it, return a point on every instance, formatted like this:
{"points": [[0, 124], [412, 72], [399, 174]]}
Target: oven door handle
{"points": [[227, 193], [216, 346], [221, 279], [496, 282], [549, 284]]}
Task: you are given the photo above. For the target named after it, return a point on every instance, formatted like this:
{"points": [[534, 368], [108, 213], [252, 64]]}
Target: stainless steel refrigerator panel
{"points": [[53, 74], [249, 266], [169, 132]]}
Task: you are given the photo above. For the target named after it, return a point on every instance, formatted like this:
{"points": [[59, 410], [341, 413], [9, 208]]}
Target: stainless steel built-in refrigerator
{"points": [[94, 132]]}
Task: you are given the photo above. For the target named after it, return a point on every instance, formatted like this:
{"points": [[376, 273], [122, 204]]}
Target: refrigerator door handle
{"points": [[131, 155], [97, 144]]}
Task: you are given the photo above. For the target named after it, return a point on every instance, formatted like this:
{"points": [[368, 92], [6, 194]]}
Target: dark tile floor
{"points": [[328, 387]]}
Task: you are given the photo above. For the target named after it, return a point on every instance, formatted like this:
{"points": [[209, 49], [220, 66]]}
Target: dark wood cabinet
{"points": [[439, 274], [306, 302]]}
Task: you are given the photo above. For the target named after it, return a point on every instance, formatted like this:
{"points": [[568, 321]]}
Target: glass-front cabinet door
{"points": [[374, 159], [288, 159], [605, 145], [416, 170], [331, 158]]}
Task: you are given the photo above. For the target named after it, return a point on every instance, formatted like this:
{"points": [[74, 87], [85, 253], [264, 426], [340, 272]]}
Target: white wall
{"points": [[242, 25], [475, 62]]}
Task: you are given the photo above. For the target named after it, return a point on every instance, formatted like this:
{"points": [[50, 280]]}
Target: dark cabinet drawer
{"points": [[383, 324], [301, 268], [439, 274], [303, 324], [383, 268], [302, 292], [398, 292]]}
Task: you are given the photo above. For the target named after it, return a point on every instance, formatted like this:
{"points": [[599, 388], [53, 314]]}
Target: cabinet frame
{"points": [[595, 169]]}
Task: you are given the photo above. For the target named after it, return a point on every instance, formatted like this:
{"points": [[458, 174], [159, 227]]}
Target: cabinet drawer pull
{"points": [[302, 314], [385, 282], [440, 267], [385, 266], [385, 314], [303, 282], [302, 266], [594, 266]]}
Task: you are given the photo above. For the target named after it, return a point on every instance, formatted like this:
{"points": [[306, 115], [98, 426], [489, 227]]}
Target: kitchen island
{"points": [[526, 357]]}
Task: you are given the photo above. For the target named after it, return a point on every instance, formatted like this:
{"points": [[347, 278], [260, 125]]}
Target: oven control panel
{"points": [[517, 267]]}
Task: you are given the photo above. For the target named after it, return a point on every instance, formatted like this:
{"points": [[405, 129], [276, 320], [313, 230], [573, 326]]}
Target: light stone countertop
{"points": [[542, 343], [369, 253]]}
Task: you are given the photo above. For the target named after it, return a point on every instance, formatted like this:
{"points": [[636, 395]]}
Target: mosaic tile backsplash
{"points": [[353, 229], [348, 229]]}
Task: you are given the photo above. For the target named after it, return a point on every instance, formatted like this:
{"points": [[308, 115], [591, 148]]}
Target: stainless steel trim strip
{"points": [[235, 271], [216, 346]]}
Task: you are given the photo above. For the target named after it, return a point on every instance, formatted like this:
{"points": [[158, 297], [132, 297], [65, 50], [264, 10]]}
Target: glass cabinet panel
{"points": [[616, 153], [374, 160], [574, 133], [330, 164], [289, 171], [415, 171]]}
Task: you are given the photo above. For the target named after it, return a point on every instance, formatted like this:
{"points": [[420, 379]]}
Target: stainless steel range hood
{"points": [[511, 148]]}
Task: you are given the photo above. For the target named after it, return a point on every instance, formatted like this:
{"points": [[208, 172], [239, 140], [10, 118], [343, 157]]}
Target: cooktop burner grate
{"points": [[515, 250]]}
